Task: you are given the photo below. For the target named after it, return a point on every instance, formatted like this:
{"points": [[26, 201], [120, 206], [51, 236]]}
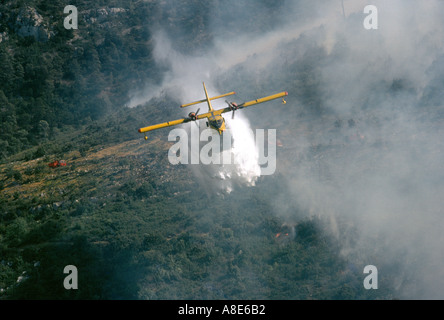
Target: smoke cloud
{"points": [[363, 126], [183, 80]]}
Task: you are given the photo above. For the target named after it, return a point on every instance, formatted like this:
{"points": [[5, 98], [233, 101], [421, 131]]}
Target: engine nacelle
{"points": [[233, 105], [192, 115]]}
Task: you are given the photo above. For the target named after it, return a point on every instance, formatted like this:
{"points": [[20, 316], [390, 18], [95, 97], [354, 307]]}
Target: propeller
{"points": [[195, 116], [192, 116], [233, 106]]}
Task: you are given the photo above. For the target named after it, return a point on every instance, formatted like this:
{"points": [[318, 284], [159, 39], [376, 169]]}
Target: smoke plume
{"points": [[362, 129]]}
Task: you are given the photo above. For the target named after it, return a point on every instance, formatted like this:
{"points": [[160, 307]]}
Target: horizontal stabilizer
{"points": [[204, 100]]}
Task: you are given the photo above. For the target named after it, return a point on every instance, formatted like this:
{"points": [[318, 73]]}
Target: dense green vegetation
{"points": [[138, 228], [132, 234], [73, 78]]}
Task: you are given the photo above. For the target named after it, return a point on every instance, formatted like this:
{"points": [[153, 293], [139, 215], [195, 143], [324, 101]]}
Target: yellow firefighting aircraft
{"points": [[215, 120]]}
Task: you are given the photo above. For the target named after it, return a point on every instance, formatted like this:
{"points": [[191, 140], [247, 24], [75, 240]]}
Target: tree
{"points": [[43, 129], [7, 70], [16, 231]]}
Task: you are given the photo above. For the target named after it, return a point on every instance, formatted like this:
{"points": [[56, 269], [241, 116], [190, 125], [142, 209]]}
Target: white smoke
{"points": [[183, 81], [183, 78], [244, 153], [387, 186]]}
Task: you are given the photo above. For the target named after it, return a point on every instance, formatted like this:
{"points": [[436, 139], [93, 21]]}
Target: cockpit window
{"points": [[217, 123]]}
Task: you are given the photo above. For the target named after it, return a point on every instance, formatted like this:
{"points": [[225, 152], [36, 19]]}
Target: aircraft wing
{"points": [[164, 124], [253, 102], [213, 112], [208, 114]]}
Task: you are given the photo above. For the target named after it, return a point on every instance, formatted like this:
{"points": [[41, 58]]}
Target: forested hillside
{"points": [[68, 78], [358, 153]]}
